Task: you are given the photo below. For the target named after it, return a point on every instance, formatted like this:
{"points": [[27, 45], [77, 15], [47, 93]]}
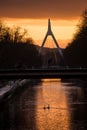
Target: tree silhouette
{"points": [[76, 51], [82, 28], [15, 50]]}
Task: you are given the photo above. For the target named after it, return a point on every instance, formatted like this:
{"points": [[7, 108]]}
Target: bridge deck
{"points": [[43, 73]]}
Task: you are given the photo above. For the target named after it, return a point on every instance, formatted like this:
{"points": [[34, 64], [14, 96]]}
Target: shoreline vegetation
{"points": [[76, 51], [15, 50]]}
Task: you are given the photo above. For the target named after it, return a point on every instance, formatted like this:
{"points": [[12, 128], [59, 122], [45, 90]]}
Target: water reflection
{"points": [[46, 106], [57, 117]]}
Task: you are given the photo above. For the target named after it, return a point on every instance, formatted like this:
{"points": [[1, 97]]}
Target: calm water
{"points": [[50, 105]]}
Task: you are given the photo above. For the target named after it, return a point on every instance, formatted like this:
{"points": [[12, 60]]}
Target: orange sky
{"points": [[33, 15], [62, 29]]}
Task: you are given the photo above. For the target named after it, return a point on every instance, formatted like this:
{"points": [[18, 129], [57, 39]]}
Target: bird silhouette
{"points": [[48, 107]]}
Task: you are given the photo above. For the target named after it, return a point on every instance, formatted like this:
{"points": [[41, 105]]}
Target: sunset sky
{"points": [[33, 15]]}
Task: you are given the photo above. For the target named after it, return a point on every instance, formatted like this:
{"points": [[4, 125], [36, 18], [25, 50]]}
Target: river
{"points": [[49, 105]]}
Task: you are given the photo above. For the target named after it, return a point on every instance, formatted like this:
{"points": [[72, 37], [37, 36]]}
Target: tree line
{"points": [[75, 53], [15, 50]]}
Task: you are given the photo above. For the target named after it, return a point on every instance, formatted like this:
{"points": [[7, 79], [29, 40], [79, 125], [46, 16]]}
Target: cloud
{"points": [[56, 9]]}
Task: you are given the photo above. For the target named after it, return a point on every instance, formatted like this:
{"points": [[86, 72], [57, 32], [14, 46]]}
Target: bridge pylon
{"points": [[50, 33]]}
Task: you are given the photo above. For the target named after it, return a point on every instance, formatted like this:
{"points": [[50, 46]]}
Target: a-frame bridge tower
{"points": [[50, 33]]}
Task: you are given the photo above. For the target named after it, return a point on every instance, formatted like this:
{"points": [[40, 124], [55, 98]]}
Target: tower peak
{"points": [[49, 27]]}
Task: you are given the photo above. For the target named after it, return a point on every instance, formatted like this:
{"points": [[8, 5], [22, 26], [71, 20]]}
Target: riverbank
{"points": [[12, 87], [7, 90]]}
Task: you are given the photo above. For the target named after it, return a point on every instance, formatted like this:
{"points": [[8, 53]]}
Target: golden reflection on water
{"points": [[57, 116]]}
